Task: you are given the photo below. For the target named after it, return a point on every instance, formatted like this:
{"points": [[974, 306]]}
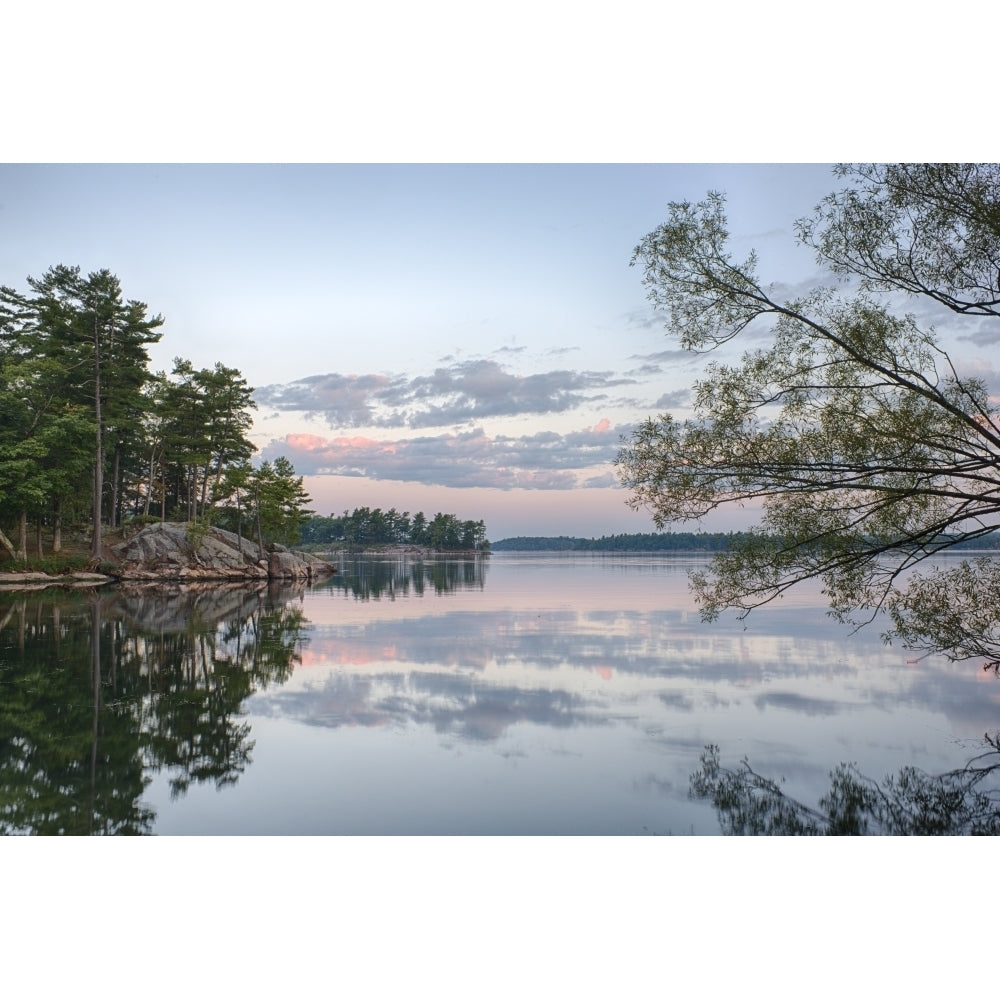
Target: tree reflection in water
{"points": [[909, 803], [100, 690], [372, 579]]}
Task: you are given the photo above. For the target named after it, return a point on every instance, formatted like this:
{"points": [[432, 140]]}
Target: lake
{"points": [[523, 694]]}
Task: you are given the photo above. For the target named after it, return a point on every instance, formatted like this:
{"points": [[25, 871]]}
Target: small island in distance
{"points": [[687, 541], [680, 541]]}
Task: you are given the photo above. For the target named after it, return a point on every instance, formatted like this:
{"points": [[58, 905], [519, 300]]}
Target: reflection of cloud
{"points": [[452, 394], [544, 460], [798, 703], [639, 644], [679, 700], [450, 704], [478, 675]]}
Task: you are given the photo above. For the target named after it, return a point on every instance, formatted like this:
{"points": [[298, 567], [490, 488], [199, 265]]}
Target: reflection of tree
{"points": [[910, 803], [92, 699], [372, 579], [199, 683], [68, 747]]}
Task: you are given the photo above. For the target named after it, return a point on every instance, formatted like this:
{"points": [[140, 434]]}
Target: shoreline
{"points": [[37, 580]]}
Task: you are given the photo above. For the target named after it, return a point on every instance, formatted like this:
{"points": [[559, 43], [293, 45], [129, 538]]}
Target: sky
{"points": [[410, 229], [468, 339]]}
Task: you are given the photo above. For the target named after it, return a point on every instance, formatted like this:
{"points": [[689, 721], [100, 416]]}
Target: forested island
{"points": [[93, 444], [367, 528]]}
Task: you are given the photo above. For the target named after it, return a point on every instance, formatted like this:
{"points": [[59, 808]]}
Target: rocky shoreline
{"points": [[179, 553]]}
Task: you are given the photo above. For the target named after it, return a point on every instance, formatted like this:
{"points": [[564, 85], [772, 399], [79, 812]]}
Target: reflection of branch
{"points": [[909, 803]]}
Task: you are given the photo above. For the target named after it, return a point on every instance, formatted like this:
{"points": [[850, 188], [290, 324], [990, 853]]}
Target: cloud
{"points": [[645, 319], [452, 394], [672, 400], [543, 460], [984, 336], [345, 400], [653, 364]]}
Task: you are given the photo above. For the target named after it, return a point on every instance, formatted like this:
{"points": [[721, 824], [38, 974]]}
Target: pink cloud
{"points": [[305, 442]]}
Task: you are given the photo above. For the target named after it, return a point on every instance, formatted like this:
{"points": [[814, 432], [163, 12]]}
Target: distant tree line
{"points": [[364, 527], [658, 542], [674, 541], [90, 437]]}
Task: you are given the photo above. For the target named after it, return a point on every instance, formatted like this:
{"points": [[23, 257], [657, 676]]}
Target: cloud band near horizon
{"points": [[545, 460]]}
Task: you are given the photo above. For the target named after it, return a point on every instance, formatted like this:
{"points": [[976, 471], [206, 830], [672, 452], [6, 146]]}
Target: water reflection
{"points": [[515, 696], [909, 803], [369, 579], [99, 691]]}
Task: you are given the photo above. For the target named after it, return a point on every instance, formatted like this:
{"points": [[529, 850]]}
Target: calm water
{"points": [[533, 694]]}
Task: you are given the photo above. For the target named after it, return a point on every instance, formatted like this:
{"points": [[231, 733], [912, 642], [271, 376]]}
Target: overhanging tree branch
{"points": [[854, 431]]}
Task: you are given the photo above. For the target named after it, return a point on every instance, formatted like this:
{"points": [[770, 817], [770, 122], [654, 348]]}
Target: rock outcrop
{"points": [[181, 552]]}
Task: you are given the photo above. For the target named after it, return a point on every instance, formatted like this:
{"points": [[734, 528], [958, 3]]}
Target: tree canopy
{"points": [[89, 432], [366, 526], [865, 445]]}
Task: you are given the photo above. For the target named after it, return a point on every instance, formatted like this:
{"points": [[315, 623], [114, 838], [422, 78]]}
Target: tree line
{"points": [[90, 436], [679, 541], [365, 526]]}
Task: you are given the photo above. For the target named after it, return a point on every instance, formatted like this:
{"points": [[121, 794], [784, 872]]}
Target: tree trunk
{"points": [[57, 527], [115, 473], [38, 538], [22, 537], [149, 484], [8, 545], [260, 536], [96, 550], [239, 528]]}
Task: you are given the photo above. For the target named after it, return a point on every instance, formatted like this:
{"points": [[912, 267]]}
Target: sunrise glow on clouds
{"points": [[470, 423], [543, 460], [466, 338]]}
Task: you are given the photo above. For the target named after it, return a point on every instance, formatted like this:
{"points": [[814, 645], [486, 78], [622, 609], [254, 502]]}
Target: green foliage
{"points": [[852, 430], [59, 565], [373, 527], [280, 501], [88, 430], [197, 531]]}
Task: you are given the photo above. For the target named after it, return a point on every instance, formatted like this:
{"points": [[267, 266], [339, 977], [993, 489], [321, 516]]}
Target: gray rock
{"points": [[170, 551]]}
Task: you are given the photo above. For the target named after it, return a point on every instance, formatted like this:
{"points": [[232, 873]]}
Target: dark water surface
{"points": [[535, 694]]}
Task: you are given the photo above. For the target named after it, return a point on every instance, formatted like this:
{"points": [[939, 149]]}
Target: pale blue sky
{"points": [[438, 337]]}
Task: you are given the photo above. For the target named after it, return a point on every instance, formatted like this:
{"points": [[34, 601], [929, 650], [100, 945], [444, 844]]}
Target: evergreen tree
{"points": [[82, 328]]}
